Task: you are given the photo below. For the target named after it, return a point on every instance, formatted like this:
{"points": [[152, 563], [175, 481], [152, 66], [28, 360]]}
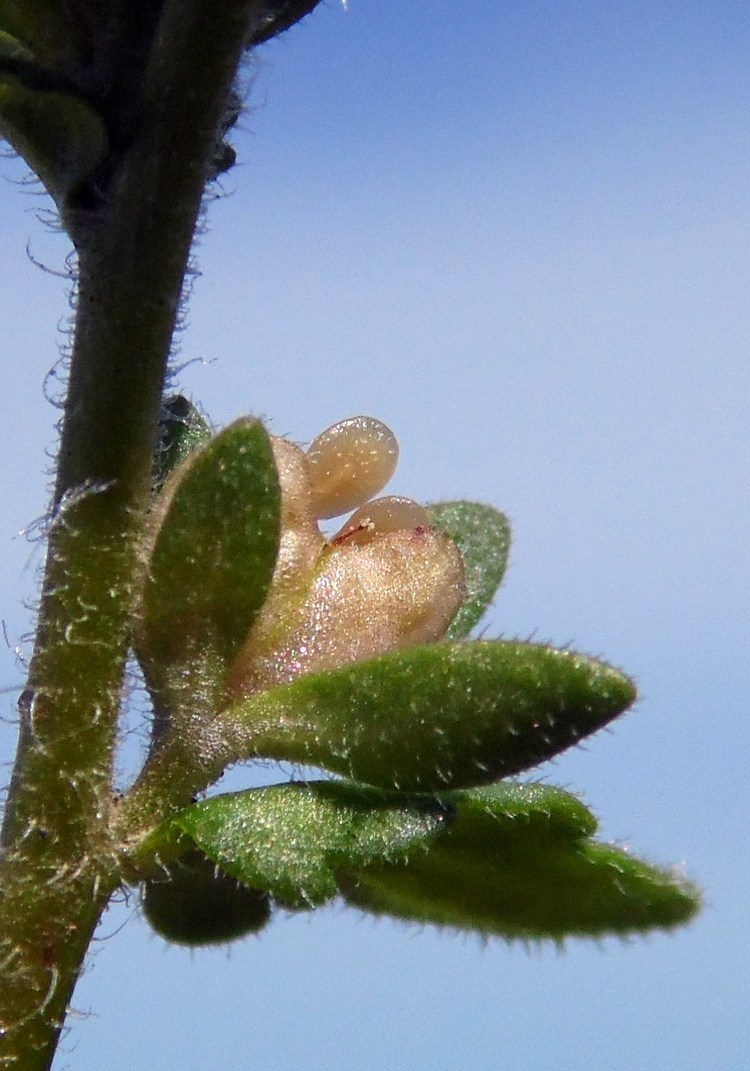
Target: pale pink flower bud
{"points": [[386, 581]]}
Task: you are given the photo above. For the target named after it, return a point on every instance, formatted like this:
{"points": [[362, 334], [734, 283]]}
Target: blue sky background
{"points": [[519, 234]]}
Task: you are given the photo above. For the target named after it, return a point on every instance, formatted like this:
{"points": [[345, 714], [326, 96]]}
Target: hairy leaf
{"points": [[549, 811], [215, 551], [193, 903], [448, 715], [515, 876], [482, 534], [289, 839]]}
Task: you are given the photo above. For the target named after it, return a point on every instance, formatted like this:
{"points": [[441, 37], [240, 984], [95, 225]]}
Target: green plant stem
{"points": [[60, 863], [190, 755]]}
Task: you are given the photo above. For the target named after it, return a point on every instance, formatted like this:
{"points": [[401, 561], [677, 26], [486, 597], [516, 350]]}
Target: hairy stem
{"points": [[60, 863]]}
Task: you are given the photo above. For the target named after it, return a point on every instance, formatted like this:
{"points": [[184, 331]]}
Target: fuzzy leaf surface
{"points": [[214, 554], [193, 903], [289, 840], [549, 811], [511, 874], [482, 534], [447, 715]]}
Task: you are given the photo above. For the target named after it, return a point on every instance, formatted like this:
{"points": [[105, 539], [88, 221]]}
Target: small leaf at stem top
{"points": [[182, 430], [61, 136], [48, 27], [277, 17]]}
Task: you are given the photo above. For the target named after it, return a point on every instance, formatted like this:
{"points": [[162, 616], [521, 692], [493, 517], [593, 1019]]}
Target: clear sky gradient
{"points": [[519, 234]]}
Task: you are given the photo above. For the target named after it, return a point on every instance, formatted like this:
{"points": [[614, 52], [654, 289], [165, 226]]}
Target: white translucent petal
{"points": [[389, 514], [394, 592], [349, 463]]}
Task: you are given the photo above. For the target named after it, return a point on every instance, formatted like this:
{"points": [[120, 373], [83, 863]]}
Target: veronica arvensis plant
{"points": [[259, 635], [333, 652]]}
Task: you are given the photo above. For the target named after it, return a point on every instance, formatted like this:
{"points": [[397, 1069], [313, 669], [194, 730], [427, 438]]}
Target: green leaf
{"points": [[215, 552], [182, 430], [546, 810], [448, 715], [61, 136], [193, 903], [482, 534], [289, 839], [515, 876]]}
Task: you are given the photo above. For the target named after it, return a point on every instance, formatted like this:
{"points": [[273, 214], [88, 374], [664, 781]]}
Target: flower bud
{"points": [[401, 589], [349, 463], [386, 581], [382, 515], [301, 539]]}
